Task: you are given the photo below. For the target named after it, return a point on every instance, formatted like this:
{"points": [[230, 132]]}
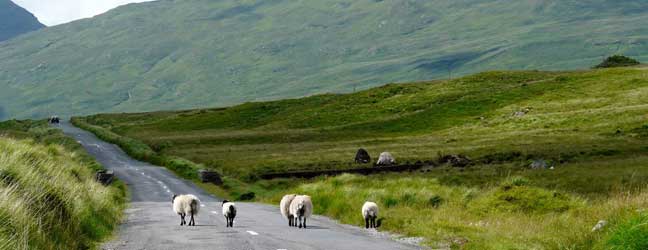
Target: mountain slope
{"points": [[181, 54], [14, 20]]}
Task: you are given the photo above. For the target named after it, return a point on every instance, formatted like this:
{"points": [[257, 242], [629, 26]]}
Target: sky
{"points": [[54, 12]]}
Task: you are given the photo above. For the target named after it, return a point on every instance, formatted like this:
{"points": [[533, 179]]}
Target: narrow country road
{"points": [[151, 223]]}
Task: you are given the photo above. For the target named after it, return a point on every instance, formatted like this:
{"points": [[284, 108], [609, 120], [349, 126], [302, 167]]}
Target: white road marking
{"points": [[215, 212], [202, 205], [252, 232]]}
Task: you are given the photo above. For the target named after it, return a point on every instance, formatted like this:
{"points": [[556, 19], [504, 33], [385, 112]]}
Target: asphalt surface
{"points": [[152, 224]]}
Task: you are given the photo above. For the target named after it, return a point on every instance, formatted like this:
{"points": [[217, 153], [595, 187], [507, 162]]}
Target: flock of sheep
{"points": [[295, 208]]}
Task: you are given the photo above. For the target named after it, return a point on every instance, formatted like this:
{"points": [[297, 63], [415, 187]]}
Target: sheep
{"points": [[229, 211], [370, 213], [301, 208], [186, 204], [385, 159], [284, 206]]}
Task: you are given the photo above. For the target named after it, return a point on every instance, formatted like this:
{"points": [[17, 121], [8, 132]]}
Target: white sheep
{"points": [[284, 206], [386, 158], [370, 213], [184, 205], [229, 211], [301, 208]]}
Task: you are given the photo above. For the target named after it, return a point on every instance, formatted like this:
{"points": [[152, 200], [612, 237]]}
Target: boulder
{"points": [[385, 159], [458, 161], [207, 176], [539, 164], [362, 156], [600, 225], [105, 177]]}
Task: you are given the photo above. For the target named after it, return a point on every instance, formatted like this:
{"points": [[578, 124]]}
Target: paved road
{"points": [[151, 223]]}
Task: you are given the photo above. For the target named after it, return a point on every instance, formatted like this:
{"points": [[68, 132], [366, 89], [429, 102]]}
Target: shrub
{"points": [[435, 201], [617, 61]]}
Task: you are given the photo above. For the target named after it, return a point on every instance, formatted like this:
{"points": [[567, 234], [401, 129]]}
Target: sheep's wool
{"points": [[182, 204], [308, 205], [369, 209], [284, 205]]}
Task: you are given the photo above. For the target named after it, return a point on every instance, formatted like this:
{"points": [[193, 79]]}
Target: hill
{"points": [[590, 126], [14, 20], [50, 199], [182, 54]]}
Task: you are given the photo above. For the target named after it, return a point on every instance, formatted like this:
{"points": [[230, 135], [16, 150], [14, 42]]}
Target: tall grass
{"points": [[50, 200], [49, 197]]}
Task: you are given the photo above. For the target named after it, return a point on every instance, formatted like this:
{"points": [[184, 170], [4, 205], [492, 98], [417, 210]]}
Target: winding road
{"points": [[151, 224]]}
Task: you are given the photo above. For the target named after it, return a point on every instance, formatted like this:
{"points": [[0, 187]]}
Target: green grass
{"points": [[495, 217], [50, 199], [590, 125], [204, 53]]}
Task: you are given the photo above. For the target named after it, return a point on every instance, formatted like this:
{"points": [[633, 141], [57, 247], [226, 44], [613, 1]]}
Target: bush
{"points": [[617, 61], [435, 201]]}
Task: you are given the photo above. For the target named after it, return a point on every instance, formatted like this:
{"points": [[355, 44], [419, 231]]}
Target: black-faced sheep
{"points": [[301, 208], [370, 214], [386, 159], [184, 205], [284, 207], [229, 211]]}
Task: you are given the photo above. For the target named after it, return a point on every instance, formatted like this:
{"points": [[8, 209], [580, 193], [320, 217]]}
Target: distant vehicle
{"points": [[54, 120]]}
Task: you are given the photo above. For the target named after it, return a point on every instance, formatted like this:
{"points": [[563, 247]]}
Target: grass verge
{"points": [[50, 199]]}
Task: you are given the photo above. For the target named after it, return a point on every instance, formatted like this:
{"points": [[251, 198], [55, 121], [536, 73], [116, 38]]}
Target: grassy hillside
{"points": [[589, 125], [49, 197], [196, 53], [14, 20]]}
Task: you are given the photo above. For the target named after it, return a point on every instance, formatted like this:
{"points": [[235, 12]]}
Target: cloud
{"points": [[54, 12]]}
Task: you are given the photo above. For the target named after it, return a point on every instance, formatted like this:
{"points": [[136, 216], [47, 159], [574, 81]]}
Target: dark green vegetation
{"points": [[50, 199], [168, 55], [14, 21], [589, 125], [617, 61]]}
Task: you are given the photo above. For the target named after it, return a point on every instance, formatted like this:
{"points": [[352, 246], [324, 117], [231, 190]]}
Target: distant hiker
{"points": [[362, 156]]}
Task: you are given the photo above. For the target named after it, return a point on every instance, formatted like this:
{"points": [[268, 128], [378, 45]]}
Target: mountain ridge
{"points": [[15, 20]]}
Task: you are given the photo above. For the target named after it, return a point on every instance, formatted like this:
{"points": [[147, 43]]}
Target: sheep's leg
{"points": [[373, 222], [367, 223], [192, 222], [182, 219], [304, 222]]}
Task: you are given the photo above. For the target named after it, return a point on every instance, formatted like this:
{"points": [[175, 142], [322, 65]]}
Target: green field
{"points": [[50, 199], [170, 55], [590, 125]]}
